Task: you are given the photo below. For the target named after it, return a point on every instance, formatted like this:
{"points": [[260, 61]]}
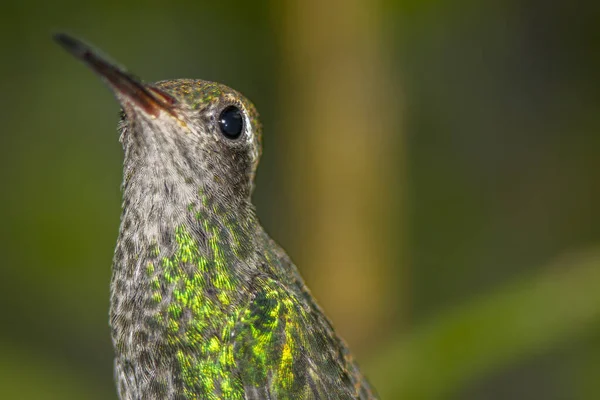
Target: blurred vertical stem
{"points": [[341, 119]]}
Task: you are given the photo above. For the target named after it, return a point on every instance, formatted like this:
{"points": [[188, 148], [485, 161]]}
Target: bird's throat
{"points": [[177, 277]]}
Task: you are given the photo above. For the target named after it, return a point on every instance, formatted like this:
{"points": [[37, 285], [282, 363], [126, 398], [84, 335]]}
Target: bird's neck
{"points": [[181, 258], [157, 207]]}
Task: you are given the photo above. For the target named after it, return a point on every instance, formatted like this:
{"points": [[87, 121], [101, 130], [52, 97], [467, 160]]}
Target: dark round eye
{"points": [[231, 122]]}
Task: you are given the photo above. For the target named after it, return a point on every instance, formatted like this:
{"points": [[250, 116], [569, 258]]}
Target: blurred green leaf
{"points": [[517, 321]]}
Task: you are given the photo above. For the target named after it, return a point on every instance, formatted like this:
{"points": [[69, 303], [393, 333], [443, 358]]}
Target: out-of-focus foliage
{"points": [[517, 321], [446, 152]]}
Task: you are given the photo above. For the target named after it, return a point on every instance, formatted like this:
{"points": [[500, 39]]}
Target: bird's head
{"points": [[186, 132]]}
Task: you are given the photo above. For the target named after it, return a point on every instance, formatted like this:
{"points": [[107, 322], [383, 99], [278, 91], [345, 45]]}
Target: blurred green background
{"points": [[432, 167]]}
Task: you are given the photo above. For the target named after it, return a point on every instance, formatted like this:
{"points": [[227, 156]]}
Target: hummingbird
{"points": [[203, 303]]}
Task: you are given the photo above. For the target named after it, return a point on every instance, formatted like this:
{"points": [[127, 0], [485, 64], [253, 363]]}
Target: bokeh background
{"points": [[432, 167]]}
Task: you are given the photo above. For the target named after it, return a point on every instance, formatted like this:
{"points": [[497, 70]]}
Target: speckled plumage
{"points": [[204, 305]]}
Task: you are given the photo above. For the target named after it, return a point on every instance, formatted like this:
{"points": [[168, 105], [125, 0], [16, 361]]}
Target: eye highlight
{"points": [[231, 122]]}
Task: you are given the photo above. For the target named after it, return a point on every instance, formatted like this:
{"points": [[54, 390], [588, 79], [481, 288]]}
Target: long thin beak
{"points": [[126, 87]]}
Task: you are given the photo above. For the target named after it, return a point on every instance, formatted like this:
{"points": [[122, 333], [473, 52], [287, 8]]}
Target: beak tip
{"points": [[72, 45]]}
